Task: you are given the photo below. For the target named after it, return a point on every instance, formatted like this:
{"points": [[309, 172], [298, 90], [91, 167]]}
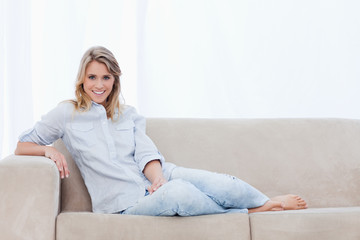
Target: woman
{"points": [[121, 166]]}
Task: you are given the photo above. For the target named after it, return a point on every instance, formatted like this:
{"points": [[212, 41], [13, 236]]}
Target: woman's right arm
{"points": [[29, 148]]}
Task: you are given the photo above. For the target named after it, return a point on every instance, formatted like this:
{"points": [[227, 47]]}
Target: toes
{"points": [[298, 198], [302, 205]]}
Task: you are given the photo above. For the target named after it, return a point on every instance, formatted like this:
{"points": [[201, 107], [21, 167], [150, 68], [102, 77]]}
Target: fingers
{"points": [[156, 184], [60, 162], [150, 190]]}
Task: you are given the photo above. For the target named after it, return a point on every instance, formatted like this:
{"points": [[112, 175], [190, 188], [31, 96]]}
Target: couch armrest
{"points": [[29, 197]]}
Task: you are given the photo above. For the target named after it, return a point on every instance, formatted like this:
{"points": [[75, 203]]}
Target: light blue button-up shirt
{"points": [[111, 155]]}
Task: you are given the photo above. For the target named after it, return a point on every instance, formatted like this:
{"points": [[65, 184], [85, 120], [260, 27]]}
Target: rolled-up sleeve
{"points": [[145, 149], [48, 129]]}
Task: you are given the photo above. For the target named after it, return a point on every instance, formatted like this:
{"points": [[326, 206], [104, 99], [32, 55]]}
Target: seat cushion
{"points": [[316, 223], [79, 226]]}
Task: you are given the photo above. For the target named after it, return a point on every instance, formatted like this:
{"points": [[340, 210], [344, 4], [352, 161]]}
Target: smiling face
{"points": [[98, 82]]}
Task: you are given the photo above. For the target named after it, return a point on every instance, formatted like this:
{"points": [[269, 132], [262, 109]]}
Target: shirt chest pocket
{"points": [[84, 133], [125, 132]]}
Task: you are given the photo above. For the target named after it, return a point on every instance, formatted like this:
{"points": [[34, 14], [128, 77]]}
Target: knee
{"points": [[179, 191]]}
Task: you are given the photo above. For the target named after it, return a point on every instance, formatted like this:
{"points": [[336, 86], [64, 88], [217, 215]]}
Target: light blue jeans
{"points": [[192, 192]]}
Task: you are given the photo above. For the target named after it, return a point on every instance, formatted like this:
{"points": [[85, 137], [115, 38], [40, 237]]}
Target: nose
{"points": [[99, 84]]}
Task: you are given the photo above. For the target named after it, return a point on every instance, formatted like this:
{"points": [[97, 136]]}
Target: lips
{"points": [[99, 92]]}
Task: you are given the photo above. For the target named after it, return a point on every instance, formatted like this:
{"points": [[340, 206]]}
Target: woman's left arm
{"points": [[153, 172], [147, 155]]}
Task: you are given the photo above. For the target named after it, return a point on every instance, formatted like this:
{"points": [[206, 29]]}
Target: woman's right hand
{"points": [[30, 148], [59, 160]]}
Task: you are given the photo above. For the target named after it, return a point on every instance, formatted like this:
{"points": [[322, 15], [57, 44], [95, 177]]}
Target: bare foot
{"points": [[280, 203], [291, 202]]}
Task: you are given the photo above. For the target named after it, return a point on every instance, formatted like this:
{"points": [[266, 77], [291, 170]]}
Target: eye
{"points": [[92, 77], [106, 77]]}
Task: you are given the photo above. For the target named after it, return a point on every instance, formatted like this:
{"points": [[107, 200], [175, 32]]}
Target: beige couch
{"points": [[318, 159]]}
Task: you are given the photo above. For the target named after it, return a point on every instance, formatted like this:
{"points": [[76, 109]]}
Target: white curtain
{"points": [[250, 58], [184, 58], [16, 107], [42, 43]]}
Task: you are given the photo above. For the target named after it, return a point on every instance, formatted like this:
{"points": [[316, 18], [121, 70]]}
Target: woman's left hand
{"points": [[158, 182]]}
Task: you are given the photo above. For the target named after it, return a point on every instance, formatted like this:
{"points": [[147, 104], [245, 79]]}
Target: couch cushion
{"points": [[91, 226], [320, 223]]}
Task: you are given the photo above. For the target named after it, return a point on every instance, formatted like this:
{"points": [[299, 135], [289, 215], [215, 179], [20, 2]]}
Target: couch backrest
{"points": [[74, 194], [318, 159]]}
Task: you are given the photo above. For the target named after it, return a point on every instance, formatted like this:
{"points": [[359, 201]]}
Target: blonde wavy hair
{"points": [[83, 101]]}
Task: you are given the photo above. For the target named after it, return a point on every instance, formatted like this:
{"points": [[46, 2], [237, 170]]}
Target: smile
{"points": [[98, 93]]}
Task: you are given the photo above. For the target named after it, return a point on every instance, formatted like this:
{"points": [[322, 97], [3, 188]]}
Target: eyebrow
{"points": [[93, 74]]}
